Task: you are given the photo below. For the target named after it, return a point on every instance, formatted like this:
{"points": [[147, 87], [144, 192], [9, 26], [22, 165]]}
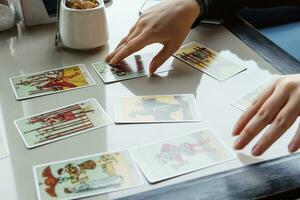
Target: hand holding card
{"points": [[132, 67]]}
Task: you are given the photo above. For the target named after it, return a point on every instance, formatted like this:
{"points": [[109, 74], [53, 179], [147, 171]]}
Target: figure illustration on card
{"points": [[50, 81], [163, 108], [85, 176], [198, 55], [176, 155], [61, 122]]}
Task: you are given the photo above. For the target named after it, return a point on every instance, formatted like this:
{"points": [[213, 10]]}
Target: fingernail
{"points": [[234, 131], [237, 144], [292, 148], [107, 58], [113, 62], [256, 151]]}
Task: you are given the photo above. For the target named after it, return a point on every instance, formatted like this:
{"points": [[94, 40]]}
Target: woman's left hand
{"points": [[279, 106]]}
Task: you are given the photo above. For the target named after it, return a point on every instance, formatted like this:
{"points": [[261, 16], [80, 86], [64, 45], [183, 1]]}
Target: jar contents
{"points": [[82, 4]]}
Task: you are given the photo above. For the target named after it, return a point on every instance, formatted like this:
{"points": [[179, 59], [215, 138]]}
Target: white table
{"points": [[25, 51]]}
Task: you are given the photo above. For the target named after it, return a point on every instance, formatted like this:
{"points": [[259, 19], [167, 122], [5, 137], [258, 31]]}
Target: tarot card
{"points": [[156, 109], [180, 155], [242, 103], [51, 81], [208, 61], [61, 123], [132, 67], [86, 176]]}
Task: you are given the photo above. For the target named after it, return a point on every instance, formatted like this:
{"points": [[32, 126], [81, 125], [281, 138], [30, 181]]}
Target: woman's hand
{"points": [[279, 106], [167, 23]]}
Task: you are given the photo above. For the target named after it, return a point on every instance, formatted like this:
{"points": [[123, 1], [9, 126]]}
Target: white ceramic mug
{"points": [[83, 29]]}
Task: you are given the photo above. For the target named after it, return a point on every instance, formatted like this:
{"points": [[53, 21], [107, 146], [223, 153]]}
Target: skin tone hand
{"points": [[279, 106], [167, 23]]}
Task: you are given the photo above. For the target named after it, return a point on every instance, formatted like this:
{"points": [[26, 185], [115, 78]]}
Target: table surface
{"points": [[31, 50]]}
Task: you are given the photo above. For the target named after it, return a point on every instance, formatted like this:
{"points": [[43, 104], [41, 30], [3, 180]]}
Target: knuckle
{"points": [[267, 138], [279, 79], [282, 122], [254, 104], [289, 84], [248, 132], [142, 23], [129, 47], [264, 115]]}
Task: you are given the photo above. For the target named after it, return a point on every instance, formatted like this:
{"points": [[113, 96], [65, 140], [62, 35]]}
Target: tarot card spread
{"points": [[61, 123], [52, 81], [86, 176], [132, 67], [208, 61], [245, 101], [154, 109], [181, 155]]}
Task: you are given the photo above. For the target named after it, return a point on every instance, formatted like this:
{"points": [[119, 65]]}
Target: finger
{"points": [[162, 56], [128, 35], [252, 109], [295, 143], [262, 118], [121, 43], [131, 47], [285, 118]]}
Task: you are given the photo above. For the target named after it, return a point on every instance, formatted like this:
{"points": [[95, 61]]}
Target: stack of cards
{"points": [[208, 61], [181, 155], [51, 81], [61, 123], [245, 101], [86, 176], [132, 67], [156, 109]]}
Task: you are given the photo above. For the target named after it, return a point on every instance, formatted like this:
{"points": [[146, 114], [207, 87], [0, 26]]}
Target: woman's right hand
{"points": [[167, 23]]}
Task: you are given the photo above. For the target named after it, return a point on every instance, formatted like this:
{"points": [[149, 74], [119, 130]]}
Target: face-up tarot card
{"points": [[245, 101], [180, 155], [86, 176], [51, 81], [156, 109], [132, 67], [61, 123], [208, 61]]}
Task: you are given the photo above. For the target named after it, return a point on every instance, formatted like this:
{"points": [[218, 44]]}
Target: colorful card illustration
{"points": [[156, 109], [86, 176], [132, 67], [180, 155], [242, 103], [51, 81], [61, 123], [208, 61]]}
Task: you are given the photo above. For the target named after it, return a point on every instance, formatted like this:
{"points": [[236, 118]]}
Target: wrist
{"points": [[187, 7]]}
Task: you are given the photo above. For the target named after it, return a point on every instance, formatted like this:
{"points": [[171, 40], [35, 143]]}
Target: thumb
{"points": [[161, 57]]}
